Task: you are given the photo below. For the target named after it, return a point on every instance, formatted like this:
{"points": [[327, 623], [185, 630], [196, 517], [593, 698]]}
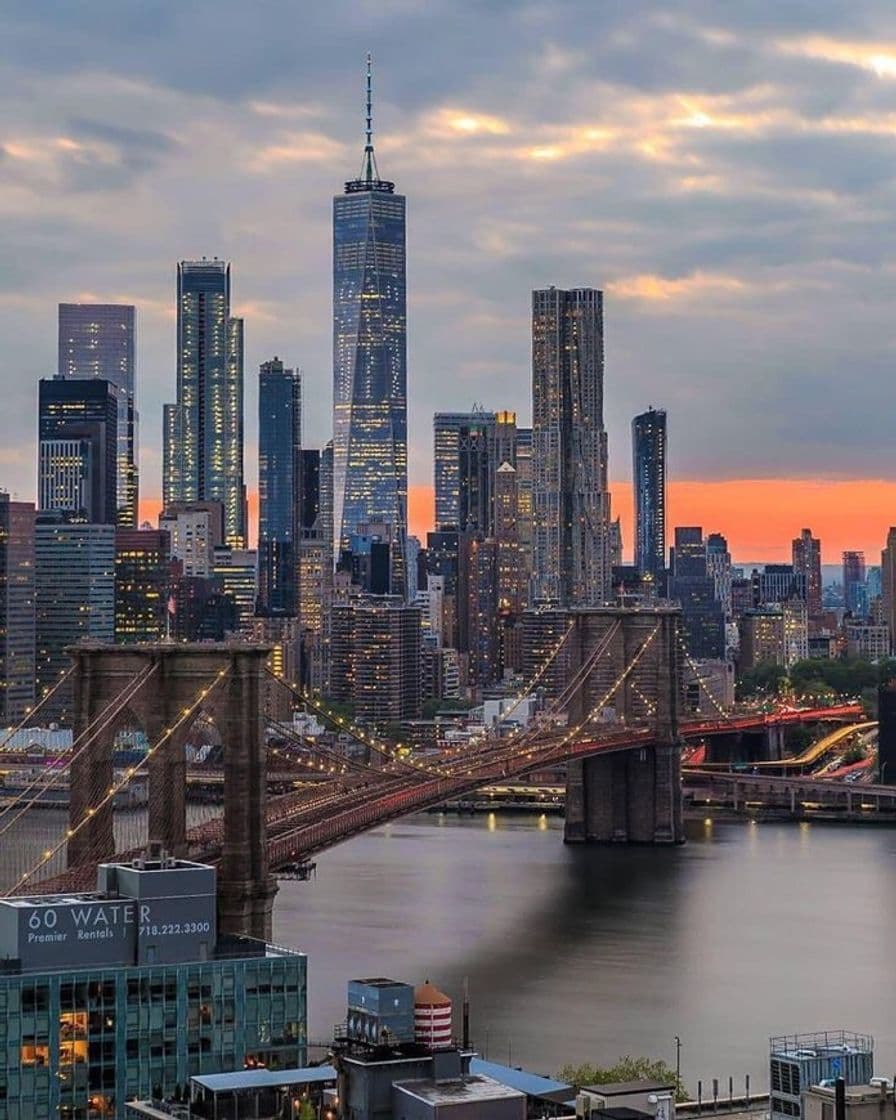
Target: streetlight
{"points": [[677, 1063]]}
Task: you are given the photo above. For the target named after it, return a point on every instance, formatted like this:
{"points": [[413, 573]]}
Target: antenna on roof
{"points": [[369, 171]]}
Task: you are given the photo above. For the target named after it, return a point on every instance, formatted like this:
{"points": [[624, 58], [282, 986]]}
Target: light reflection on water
{"points": [[578, 954]]}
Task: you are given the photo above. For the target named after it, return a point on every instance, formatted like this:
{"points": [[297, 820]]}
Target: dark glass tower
{"points": [[96, 340], [78, 449], [279, 487], [649, 477], [203, 432], [370, 477]]}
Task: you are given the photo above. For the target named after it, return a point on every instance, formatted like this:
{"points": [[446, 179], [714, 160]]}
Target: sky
{"points": [[726, 172]]}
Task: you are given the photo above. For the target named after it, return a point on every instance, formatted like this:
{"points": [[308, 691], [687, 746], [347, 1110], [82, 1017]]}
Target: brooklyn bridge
{"points": [[611, 679]]}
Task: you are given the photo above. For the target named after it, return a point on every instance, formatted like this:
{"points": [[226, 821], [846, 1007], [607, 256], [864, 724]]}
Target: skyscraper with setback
{"points": [[571, 503]]}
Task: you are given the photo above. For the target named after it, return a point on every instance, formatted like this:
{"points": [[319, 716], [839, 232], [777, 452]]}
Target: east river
{"points": [[584, 954]]}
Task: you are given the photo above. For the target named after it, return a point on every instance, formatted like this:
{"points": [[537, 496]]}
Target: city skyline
{"points": [[665, 289]]}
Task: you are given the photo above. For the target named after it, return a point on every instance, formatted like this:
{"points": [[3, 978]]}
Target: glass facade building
{"points": [[203, 431], [649, 475], [370, 361], [96, 340], [280, 463], [78, 448], [127, 993], [571, 502], [17, 652], [74, 581], [142, 584]]}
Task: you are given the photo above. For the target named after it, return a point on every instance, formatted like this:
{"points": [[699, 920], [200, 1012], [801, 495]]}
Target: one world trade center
{"points": [[370, 472]]}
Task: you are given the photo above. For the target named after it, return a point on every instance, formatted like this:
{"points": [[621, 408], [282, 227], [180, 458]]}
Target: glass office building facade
{"points": [[203, 432], [280, 478], [111, 999], [649, 474], [96, 340], [370, 472]]}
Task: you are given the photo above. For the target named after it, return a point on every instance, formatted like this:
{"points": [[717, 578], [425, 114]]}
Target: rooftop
{"points": [[475, 1088], [263, 1078], [529, 1083], [629, 1088]]}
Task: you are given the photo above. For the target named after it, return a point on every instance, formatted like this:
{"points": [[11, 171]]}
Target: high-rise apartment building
{"points": [[649, 480], [375, 659], [571, 502], [370, 359], [806, 553], [74, 577], [280, 463], [203, 431], [854, 592], [17, 652], [96, 340], [142, 584], [77, 432]]}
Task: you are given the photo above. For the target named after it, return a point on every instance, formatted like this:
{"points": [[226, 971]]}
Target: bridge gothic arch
{"points": [[167, 687]]}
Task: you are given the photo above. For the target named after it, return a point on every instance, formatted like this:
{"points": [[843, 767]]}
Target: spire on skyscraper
{"points": [[369, 170], [369, 179]]}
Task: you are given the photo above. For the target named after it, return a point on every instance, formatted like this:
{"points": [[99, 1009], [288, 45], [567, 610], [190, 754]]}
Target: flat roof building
{"points": [[128, 991]]}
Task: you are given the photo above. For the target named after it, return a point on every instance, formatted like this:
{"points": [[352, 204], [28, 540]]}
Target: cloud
{"points": [[651, 287]]}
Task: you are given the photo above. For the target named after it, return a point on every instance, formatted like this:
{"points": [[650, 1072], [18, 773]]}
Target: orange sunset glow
{"points": [[759, 517]]}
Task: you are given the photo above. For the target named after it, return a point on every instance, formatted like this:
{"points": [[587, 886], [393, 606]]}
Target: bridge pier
{"points": [[174, 693], [633, 796]]}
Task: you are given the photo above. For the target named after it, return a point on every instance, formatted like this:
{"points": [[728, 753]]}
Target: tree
{"points": [[626, 1068]]}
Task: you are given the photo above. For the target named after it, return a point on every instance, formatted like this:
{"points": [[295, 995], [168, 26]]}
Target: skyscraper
{"points": [[888, 585], [279, 487], [142, 584], [17, 653], [649, 478], [806, 552], [370, 358], [695, 589], [96, 340], [461, 454], [854, 596], [74, 575], [569, 448], [78, 448], [203, 431]]}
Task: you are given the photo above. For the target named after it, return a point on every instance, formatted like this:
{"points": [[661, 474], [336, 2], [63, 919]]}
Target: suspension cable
{"points": [[185, 716], [107, 716], [37, 707]]}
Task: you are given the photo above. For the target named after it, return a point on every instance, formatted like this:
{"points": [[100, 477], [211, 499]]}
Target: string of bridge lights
{"points": [[117, 786], [104, 718], [30, 713]]}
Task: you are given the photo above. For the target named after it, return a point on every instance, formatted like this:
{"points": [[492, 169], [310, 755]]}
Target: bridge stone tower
{"points": [[174, 678], [633, 796]]}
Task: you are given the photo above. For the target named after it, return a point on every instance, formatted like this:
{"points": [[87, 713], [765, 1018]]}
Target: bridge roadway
{"points": [[307, 821], [797, 797]]}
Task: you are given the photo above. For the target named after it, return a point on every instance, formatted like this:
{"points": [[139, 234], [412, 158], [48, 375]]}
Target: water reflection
{"points": [[578, 953]]}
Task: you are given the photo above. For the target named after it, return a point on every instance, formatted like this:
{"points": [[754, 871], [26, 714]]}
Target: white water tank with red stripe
{"points": [[432, 1017]]}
